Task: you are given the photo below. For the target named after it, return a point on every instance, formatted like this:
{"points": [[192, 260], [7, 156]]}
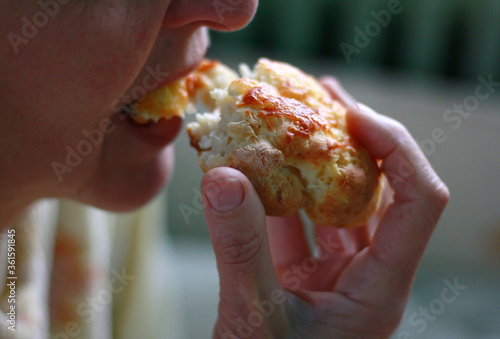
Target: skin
{"points": [[92, 54]]}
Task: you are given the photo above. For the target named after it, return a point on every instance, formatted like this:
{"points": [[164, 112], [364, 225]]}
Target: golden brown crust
{"points": [[285, 133], [305, 120], [164, 102]]}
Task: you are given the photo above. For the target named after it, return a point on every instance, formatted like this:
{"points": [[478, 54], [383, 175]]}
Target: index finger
{"points": [[419, 194], [337, 92]]}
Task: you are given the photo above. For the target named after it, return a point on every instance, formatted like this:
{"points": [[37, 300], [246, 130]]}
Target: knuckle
{"points": [[397, 135], [441, 195], [399, 129], [239, 250], [436, 193]]}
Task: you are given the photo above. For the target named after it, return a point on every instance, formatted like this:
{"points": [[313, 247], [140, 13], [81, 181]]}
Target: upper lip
{"points": [[190, 42], [168, 79], [178, 74]]}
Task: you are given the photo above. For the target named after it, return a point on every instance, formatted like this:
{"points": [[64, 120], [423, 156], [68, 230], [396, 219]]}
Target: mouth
{"points": [[157, 131], [158, 115]]}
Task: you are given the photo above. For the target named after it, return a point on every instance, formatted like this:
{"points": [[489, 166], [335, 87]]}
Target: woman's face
{"points": [[67, 67]]}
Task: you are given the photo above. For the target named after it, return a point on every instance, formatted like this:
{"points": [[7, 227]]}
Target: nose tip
{"points": [[224, 15], [234, 14]]}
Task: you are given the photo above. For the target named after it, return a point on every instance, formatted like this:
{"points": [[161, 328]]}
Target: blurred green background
{"points": [[454, 38]]}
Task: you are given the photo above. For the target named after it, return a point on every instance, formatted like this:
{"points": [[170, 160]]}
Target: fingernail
{"points": [[225, 195]]}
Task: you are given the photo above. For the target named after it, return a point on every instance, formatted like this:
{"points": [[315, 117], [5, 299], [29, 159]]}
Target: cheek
{"points": [[66, 78], [84, 58]]}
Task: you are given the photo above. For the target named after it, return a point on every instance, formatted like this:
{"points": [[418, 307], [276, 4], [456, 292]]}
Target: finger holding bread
{"points": [[419, 197]]}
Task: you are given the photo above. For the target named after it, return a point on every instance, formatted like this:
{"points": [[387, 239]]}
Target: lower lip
{"points": [[157, 134], [161, 133]]}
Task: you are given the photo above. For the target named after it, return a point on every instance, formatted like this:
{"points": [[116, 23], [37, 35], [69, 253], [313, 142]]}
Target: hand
{"points": [[357, 281]]}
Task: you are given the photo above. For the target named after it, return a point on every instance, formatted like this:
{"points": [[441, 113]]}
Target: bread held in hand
{"points": [[282, 129]]}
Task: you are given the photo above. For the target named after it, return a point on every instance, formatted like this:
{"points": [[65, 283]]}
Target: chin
{"points": [[130, 189]]}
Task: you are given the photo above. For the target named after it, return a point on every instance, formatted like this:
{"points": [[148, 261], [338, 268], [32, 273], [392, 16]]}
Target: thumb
{"points": [[250, 294]]}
